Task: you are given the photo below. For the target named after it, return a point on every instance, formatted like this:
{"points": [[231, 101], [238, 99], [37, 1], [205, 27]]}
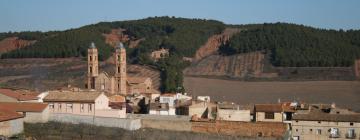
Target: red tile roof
{"points": [[168, 94], [117, 98], [23, 107], [6, 114], [268, 108], [19, 95]]}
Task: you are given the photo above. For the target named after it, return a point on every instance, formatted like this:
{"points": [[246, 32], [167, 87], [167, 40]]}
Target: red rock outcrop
{"points": [[214, 42], [13, 43]]}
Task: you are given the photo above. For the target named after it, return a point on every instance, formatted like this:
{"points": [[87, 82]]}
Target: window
{"points": [[351, 124], [318, 131], [69, 107], [51, 106], [90, 107], [296, 130], [59, 106], [118, 57], [269, 115], [118, 69], [90, 69], [350, 134], [90, 58], [81, 107], [319, 121]]}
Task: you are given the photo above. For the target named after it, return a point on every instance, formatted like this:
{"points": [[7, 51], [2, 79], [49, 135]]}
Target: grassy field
{"points": [[343, 93]]}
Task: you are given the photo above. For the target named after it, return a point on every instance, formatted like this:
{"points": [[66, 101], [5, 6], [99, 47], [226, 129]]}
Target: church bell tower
{"points": [[120, 74], [93, 65]]}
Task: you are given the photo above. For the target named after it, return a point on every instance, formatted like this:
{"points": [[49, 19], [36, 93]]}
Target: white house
{"points": [[161, 109]]}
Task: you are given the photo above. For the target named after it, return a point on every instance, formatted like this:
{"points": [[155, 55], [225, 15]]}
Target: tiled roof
{"points": [[136, 80], [6, 114], [23, 107], [268, 108], [19, 95], [70, 96], [168, 94], [317, 116], [117, 98]]}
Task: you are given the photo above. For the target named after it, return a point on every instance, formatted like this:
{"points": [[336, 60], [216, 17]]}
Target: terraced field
{"points": [[45, 74], [235, 66]]}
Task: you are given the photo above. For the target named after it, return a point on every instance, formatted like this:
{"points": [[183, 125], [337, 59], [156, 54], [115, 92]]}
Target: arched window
{"points": [[90, 58]]}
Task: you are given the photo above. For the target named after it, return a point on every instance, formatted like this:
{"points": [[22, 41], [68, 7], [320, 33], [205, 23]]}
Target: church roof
{"points": [[109, 69], [92, 45], [136, 80], [120, 45]]}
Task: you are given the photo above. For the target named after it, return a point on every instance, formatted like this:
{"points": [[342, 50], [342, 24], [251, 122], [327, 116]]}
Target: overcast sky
{"points": [[44, 15]]}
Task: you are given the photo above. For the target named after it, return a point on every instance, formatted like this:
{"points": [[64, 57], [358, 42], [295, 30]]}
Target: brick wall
{"points": [[247, 129]]}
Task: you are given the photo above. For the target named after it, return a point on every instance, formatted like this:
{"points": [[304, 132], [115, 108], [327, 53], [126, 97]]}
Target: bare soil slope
{"points": [[343, 93], [214, 42], [13, 43]]}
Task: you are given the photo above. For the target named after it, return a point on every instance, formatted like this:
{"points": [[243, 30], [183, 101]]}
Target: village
{"points": [[111, 98]]}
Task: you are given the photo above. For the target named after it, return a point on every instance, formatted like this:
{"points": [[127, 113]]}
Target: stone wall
{"points": [[244, 129], [37, 117], [164, 122], [128, 124], [11, 127]]}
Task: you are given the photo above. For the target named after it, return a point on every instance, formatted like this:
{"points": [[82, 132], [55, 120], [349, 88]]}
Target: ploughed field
{"points": [[47, 74], [343, 93]]}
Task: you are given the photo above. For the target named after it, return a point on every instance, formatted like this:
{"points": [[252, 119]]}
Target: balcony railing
{"points": [[350, 136], [334, 136]]}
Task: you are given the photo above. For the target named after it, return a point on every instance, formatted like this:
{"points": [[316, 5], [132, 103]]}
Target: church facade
{"points": [[115, 79]]}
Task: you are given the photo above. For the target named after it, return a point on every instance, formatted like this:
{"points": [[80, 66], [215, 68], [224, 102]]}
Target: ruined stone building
{"points": [[113, 79]]}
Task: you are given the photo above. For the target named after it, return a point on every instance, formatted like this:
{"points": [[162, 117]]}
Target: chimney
{"points": [[333, 105], [302, 105]]}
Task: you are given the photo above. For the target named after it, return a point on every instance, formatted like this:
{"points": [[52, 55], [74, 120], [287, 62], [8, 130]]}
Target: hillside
{"points": [[14, 43], [293, 45], [47, 74], [234, 66], [219, 50]]}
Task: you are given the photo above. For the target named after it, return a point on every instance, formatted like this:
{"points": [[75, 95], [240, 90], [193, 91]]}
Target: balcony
{"points": [[350, 136], [334, 136]]}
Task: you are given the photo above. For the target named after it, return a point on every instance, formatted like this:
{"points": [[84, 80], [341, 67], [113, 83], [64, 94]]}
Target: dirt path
{"points": [[343, 93]]}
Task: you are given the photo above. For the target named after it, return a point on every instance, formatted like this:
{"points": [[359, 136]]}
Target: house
{"points": [[82, 103], [273, 113], [161, 53], [161, 109], [233, 112], [9, 95], [199, 108], [203, 98], [33, 112], [139, 85], [11, 122], [168, 98], [323, 123], [171, 98]]}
